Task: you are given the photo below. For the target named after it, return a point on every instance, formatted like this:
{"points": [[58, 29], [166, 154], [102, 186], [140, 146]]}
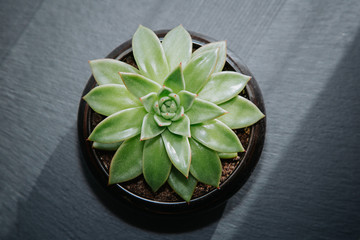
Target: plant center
{"points": [[168, 107]]}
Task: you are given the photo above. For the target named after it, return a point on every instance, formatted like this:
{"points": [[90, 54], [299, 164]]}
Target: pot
{"points": [[212, 198]]}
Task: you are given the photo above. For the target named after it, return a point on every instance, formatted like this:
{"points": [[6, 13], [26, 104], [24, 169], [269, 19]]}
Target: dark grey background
{"points": [[305, 56]]}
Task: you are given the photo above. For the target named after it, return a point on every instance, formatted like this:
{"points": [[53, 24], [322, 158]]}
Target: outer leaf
{"points": [[148, 101], [105, 71], [156, 163], [175, 80], [183, 186], [186, 99], [242, 113], [138, 85], [202, 111], [205, 164], [217, 136], [110, 98], [177, 46], [107, 146], [222, 53], [178, 150], [199, 69], [150, 128], [228, 155], [119, 126], [223, 86], [149, 54], [127, 161], [181, 127]]}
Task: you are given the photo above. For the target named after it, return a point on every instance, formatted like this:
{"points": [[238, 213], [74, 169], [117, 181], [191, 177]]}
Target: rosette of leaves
{"points": [[172, 117]]}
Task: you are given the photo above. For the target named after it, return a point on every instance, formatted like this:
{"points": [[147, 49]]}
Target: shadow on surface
{"points": [[314, 190]]}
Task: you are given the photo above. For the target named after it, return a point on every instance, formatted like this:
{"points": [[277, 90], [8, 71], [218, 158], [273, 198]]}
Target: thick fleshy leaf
{"points": [[202, 111], [149, 54], [242, 113], [161, 121], [148, 101], [106, 70], [156, 163], [178, 149], [217, 136], [139, 85], [182, 185], [179, 114], [186, 99], [177, 45], [127, 161], [205, 164], [199, 69], [164, 92], [175, 80], [223, 86], [181, 127], [150, 128], [119, 126], [111, 98], [221, 45], [228, 155], [107, 146]]}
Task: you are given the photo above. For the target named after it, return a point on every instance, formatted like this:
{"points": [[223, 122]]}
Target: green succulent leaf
{"points": [[168, 115], [149, 55], [127, 161], [139, 85], [203, 110], [111, 98], [221, 45], [106, 70], [175, 97], [156, 163], [205, 164], [164, 92], [242, 113], [107, 146], [178, 149], [199, 69], [186, 99], [228, 155], [177, 45], [175, 80], [223, 86], [161, 121], [150, 128], [148, 101], [119, 126], [181, 127], [217, 136], [179, 114], [183, 186], [156, 107]]}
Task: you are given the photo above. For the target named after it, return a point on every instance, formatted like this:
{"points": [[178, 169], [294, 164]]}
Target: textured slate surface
{"points": [[305, 56]]}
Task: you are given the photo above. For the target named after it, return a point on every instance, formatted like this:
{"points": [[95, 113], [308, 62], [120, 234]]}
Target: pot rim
{"points": [[207, 201]]}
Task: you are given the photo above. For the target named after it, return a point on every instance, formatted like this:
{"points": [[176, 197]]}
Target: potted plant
{"points": [[166, 112]]}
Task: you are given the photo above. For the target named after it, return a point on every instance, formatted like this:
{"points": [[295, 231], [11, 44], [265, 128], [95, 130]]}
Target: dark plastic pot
{"points": [[213, 198]]}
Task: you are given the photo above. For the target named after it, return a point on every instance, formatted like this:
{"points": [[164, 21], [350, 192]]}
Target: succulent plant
{"points": [[171, 118]]}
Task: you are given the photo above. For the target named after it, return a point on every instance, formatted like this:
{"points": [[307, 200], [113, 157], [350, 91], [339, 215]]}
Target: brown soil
{"points": [[165, 193]]}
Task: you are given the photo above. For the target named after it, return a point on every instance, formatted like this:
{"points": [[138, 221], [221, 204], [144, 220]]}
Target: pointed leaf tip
{"points": [[149, 54], [177, 45]]}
